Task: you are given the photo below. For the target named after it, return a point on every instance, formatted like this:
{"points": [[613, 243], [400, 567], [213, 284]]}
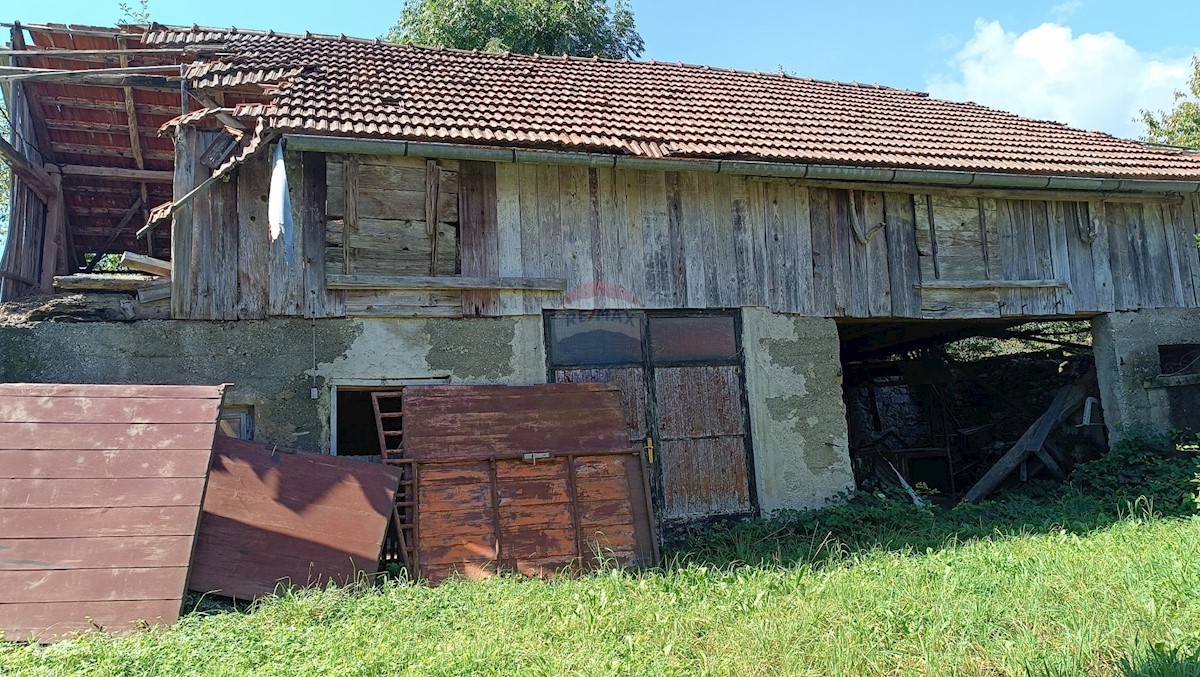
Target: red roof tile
{"points": [[344, 86]]}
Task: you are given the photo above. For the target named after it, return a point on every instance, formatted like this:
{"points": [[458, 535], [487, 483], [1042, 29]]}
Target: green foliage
{"points": [[1143, 464], [550, 27], [1179, 126], [137, 12]]}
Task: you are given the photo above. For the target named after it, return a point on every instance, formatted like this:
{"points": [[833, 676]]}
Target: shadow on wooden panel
{"points": [[272, 515]]}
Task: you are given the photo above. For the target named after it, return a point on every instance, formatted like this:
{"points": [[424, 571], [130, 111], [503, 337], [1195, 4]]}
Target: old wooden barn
{"points": [[332, 218]]}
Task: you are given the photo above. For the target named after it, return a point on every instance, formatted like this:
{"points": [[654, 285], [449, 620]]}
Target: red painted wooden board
{"points": [[482, 507], [100, 492], [273, 517]]}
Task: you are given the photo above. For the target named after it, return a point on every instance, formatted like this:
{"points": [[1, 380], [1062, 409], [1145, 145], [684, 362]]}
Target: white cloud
{"points": [[1065, 10], [1093, 80]]}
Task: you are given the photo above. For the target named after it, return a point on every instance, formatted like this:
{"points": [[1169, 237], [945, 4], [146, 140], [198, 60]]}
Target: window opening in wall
{"points": [[1179, 359], [357, 434], [236, 421]]}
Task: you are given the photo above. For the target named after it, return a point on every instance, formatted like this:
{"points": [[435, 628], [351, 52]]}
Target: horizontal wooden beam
{"points": [[148, 175], [68, 53], [110, 151], [990, 284], [95, 104], [413, 282], [25, 74], [35, 177], [122, 282], [146, 264]]}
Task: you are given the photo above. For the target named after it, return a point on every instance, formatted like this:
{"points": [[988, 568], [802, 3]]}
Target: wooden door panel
{"points": [[703, 477], [699, 401], [631, 381]]}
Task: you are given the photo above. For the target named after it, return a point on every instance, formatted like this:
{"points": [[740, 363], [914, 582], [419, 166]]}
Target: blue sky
{"points": [[1087, 63]]}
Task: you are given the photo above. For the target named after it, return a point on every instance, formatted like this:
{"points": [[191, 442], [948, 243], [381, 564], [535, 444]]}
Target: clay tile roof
{"points": [[345, 86]]}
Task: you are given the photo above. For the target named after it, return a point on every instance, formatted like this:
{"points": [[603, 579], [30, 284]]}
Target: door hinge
{"points": [[650, 449]]}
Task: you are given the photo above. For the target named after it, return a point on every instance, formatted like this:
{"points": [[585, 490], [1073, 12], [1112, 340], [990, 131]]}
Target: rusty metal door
{"points": [[681, 379]]}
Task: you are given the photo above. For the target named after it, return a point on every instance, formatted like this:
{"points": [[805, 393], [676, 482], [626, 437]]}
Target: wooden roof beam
{"points": [[40, 133], [135, 137], [113, 173], [67, 53], [35, 177]]}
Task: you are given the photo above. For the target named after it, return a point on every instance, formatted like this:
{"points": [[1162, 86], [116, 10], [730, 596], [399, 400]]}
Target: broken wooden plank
{"points": [[146, 264], [108, 282], [156, 291], [1066, 401]]}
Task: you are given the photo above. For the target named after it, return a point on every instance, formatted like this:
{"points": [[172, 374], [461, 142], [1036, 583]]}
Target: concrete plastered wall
{"points": [[798, 419], [1126, 349], [274, 363]]}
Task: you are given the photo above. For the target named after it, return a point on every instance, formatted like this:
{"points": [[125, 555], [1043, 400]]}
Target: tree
{"points": [[552, 27], [1179, 126]]}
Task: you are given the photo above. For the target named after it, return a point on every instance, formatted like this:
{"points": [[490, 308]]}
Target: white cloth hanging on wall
{"points": [[279, 206]]}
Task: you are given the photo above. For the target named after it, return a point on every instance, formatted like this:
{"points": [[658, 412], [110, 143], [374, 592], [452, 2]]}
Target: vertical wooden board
{"points": [[746, 268], [841, 245], [695, 239], [1162, 269], [821, 221], [1042, 252], [704, 477], [588, 300], [656, 242], [479, 239], [1126, 291], [225, 215], [1004, 213], [860, 285], [319, 301], [550, 224], [610, 292], [1097, 223], [722, 274], [577, 235], [758, 242], [783, 284], [924, 231], [629, 215], [699, 401], [202, 259], [903, 255], [879, 272], [532, 259], [187, 151], [253, 258], [1178, 252], [676, 242], [287, 284], [1183, 219], [516, 204], [348, 190], [1073, 219]]}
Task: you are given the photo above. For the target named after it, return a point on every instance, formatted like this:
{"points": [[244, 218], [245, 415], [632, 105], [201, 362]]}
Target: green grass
{"points": [[1119, 598]]}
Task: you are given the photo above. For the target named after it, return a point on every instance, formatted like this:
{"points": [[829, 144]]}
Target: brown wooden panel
{"points": [[102, 492], [44, 621], [631, 381], [704, 477], [273, 515], [85, 522], [123, 391], [107, 436], [699, 401], [83, 463], [65, 409], [693, 339], [91, 585], [18, 554]]}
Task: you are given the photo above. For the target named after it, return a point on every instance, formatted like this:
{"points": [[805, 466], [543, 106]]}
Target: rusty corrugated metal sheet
{"points": [[99, 503], [275, 516], [483, 506]]}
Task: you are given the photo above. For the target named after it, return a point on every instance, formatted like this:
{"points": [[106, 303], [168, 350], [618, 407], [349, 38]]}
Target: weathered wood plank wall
{"points": [[20, 264], [648, 239]]}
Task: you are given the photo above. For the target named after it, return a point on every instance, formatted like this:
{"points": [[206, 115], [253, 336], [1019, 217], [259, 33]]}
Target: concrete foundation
{"points": [[1132, 389], [274, 363], [797, 415]]}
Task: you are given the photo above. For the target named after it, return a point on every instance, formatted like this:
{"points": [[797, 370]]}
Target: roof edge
{"points": [[939, 178]]}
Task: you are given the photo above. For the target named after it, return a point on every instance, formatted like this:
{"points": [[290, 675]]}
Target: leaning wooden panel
{"points": [[273, 516], [99, 508]]}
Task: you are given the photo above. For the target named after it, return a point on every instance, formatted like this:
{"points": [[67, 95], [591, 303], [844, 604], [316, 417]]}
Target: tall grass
{"points": [[1126, 596]]}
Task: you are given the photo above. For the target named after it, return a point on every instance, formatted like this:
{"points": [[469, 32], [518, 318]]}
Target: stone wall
{"points": [[274, 363], [1132, 389], [797, 415]]}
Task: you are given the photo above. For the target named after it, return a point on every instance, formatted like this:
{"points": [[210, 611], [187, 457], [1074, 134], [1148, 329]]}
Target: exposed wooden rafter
{"points": [[150, 175], [135, 137], [35, 177]]}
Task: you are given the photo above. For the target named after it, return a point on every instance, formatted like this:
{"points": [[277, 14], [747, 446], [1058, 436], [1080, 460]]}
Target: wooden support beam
{"points": [[146, 264], [68, 53], [110, 151], [69, 30], [38, 179], [148, 175], [91, 104], [990, 284], [135, 137], [56, 216], [413, 282], [432, 179], [27, 74], [226, 118], [1066, 401]]}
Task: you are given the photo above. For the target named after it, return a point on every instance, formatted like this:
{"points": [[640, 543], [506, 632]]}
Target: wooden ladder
{"points": [[389, 424]]}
